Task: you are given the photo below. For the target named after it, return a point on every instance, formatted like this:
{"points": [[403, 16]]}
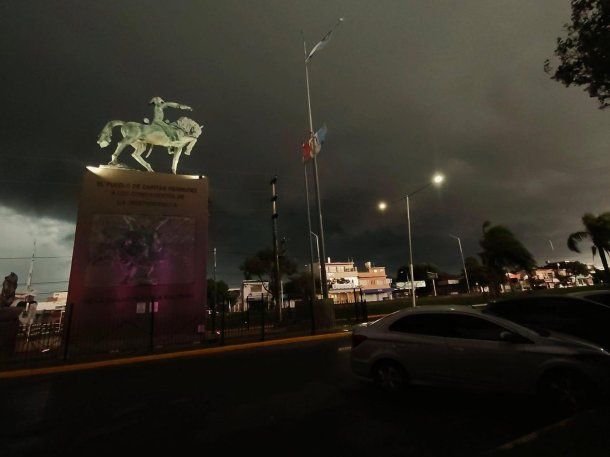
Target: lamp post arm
{"points": [[425, 186]]}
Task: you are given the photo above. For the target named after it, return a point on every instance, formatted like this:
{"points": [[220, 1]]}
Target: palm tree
{"points": [[597, 229], [502, 251]]}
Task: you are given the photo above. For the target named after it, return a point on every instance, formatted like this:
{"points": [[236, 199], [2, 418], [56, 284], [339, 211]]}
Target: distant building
{"points": [[564, 274], [547, 277], [251, 290], [346, 284], [449, 286], [374, 283], [342, 278]]}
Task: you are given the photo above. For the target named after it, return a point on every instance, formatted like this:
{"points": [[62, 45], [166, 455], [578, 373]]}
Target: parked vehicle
{"points": [[460, 346], [598, 296], [573, 315]]}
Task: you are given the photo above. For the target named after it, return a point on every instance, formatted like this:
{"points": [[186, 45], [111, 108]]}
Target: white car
{"points": [[459, 346]]}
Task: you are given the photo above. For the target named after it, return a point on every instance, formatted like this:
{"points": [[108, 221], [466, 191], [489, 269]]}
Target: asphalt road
{"points": [[297, 399]]}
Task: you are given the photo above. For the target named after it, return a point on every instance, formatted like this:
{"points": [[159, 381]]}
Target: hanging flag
{"points": [[318, 140], [306, 147], [323, 42], [313, 146]]}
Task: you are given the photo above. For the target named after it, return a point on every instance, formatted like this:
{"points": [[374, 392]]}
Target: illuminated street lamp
{"points": [[436, 180]]}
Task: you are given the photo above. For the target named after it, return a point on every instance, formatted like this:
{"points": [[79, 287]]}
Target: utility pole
{"points": [[31, 271], [215, 299], [274, 215]]}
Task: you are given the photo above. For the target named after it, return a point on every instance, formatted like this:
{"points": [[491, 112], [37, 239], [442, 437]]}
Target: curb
{"points": [[11, 374]]}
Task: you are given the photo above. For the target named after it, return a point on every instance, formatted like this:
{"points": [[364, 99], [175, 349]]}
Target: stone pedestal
{"points": [[138, 274], [9, 328], [324, 314]]}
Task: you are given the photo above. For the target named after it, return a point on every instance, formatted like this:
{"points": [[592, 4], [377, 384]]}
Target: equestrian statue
{"points": [[175, 136]]}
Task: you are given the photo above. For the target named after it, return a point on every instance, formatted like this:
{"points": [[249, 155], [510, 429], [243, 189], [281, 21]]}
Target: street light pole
{"points": [[437, 180], [463, 262], [413, 300]]}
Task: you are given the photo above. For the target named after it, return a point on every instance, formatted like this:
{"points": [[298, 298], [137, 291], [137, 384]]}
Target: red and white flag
{"points": [[307, 150]]}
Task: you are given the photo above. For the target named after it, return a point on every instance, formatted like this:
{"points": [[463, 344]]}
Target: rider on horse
{"points": [[159, 116]]}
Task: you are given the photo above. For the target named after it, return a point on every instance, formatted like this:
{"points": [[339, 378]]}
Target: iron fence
{"points": [[66, 341]]}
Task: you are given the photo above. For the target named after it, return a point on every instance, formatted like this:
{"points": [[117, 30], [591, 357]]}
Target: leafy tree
{"points": [[420, 271], [599, 276], [299, 286], [597, 229], [583, 54], [222, 292], [402, 275], [261, 266], [502, 251], [477, 273], [572, 267]]}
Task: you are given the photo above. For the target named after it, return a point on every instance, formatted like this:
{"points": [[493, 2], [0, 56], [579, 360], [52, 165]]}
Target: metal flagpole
{"points": [[313, 278], [313, 281], [324, 284]]}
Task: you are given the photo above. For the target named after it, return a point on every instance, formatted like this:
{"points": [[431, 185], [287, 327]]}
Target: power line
{"points": [[35, 258], [51, 282]]}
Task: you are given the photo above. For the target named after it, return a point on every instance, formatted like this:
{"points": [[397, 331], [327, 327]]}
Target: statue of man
{"points": [[9, 286], [159, 115]]}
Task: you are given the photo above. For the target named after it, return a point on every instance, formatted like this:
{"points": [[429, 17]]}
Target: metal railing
{"points": [[65, 340]]}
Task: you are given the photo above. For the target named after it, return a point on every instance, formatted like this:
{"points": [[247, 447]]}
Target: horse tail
{"points": [[105, 137]]}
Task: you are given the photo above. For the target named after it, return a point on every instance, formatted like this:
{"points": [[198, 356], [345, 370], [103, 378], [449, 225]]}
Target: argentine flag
{"points": [[323, 42]]}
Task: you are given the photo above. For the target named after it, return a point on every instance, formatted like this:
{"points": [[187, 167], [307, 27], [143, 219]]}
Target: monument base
{"points": [[324, 313], [138, 277]]}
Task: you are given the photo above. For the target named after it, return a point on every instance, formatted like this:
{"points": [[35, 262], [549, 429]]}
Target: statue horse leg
{"points": [[119, 148], [139, 149], [130, 132], [190, 146], [177, 154]]}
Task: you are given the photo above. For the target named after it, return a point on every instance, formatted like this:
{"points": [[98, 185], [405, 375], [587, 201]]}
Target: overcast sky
{"points": [[406, 88]]}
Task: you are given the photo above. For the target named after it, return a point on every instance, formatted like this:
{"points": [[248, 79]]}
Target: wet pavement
{"points": [[295, 399]]}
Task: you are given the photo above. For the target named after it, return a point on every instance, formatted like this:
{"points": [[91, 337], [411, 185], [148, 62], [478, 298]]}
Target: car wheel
{"points": [[390, 377], [567, 391]]}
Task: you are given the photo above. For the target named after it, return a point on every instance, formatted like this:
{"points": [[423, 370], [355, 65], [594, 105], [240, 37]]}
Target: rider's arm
{"points": [[177, 105]]}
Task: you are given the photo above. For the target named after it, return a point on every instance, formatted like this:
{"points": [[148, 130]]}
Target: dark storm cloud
{"points": [[405, 87]]}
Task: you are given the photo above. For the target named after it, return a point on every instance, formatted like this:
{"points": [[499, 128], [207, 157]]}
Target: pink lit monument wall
{"points": [[138, 273]]}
